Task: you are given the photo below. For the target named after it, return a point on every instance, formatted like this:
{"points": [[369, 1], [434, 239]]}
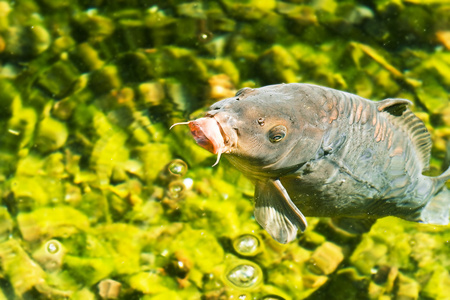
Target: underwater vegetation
{"points": [[101, 201]]}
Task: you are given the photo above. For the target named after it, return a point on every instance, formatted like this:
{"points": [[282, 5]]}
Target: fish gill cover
{"points": [[101, 201]]}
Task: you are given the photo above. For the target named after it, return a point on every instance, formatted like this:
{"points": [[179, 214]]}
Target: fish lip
{"points": [[209, 134]]}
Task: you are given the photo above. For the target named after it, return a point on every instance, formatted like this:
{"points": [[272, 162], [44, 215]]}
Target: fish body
{"points": [[316, 151]]}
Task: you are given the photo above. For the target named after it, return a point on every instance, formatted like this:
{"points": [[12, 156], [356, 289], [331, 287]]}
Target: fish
{"points": [[319, 152]]}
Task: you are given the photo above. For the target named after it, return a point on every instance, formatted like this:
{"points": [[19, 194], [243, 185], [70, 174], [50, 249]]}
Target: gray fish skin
{"points": [[317, 151]]}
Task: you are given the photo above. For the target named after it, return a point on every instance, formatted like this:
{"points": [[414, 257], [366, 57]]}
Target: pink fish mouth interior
{"points": [[208, 134]]}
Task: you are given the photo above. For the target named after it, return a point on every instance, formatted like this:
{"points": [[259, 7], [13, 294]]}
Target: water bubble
{"points": [[205, 36], [177, 167], [176, 190], [247, 245], [273, 297], [244, 275], [188, 183], [179, 265], [53, 246], [50, 255], [211, 282]]}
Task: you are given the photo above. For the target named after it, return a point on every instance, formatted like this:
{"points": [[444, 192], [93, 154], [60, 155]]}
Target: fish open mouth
{"points": [[207, 132]]}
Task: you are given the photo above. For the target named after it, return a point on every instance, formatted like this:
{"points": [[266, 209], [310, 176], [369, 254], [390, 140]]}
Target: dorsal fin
{"points": [[393, 106], [404, 118]]}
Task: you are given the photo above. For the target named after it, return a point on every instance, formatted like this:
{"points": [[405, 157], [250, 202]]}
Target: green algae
{"points": [[90, 192], [46, 222], [23, 272]]}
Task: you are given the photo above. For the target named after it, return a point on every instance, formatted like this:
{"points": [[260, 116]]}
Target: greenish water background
{"points": [[101, 200]]}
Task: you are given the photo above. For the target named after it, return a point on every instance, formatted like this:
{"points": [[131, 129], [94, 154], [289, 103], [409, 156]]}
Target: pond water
{"points": [[99, 200]]}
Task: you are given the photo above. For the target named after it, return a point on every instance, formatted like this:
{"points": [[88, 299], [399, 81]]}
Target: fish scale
{"points": [[394, 184], [357, 132], [382, 130], [317, 151]]}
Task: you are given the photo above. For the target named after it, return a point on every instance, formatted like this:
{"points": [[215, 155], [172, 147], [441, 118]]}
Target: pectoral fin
{"points": [[276, 213]]}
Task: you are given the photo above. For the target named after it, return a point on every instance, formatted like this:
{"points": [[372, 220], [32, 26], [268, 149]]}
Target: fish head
{"points": [[263, 132]]}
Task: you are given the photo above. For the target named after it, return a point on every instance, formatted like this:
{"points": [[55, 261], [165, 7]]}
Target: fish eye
{"points": [[277, 133]]}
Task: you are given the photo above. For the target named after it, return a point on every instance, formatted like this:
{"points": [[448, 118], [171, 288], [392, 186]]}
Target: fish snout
{"points": [[208, 134]]}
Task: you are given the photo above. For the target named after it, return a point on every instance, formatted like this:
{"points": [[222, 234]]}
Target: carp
{"points": [[316, 151]]}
